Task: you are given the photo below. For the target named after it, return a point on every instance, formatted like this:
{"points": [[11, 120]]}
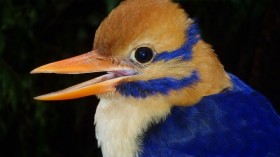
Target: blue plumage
{"points": [[142, 89], [235, 122], [185, 52]]}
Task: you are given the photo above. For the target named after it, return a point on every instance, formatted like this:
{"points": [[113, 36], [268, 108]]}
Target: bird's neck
{"points": [[120, 122], [211, 77]]}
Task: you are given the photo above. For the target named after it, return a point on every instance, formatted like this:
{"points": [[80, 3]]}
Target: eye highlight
{"points": [[143, 55]]}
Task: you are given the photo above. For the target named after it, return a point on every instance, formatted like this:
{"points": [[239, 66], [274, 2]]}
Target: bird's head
{"points": [[150, 49]]}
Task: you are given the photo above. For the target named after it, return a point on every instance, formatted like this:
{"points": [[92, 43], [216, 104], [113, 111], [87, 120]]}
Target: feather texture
{"points": [[142, 89], [185, 52], [180, 104], [235, 122]]}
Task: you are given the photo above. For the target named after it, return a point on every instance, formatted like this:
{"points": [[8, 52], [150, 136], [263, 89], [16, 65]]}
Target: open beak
{"points": [[86, 63]]}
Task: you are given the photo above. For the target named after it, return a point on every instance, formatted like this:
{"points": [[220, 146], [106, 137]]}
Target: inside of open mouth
{"points": [[120, 73], [104, 77]]}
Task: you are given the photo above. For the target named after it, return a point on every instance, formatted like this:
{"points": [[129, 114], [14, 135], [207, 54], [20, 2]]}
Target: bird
{"points": [[165, 92]]}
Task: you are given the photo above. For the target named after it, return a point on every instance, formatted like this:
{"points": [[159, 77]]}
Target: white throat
{"points": [[121, 122]]}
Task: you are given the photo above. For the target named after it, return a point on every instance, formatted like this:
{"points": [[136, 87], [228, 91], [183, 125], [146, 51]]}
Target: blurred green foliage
{"points": [[32, 33]]}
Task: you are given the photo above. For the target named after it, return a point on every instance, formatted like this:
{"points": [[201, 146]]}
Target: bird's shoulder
{"points": [[235, 122]]}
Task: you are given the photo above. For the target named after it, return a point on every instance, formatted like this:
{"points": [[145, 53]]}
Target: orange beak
{"points": [[86, 63]]}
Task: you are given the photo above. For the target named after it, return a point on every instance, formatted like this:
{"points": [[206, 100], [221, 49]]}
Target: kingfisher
{"points": [[165, 93]]}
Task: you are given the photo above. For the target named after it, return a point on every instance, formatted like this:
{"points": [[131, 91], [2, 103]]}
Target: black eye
{"points": [[143, 54]]}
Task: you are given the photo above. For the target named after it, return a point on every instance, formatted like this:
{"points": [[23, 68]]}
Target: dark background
{"points": [[34, 32]]}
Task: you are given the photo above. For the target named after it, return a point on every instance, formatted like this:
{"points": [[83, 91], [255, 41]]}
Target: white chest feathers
{"points": [[121, 122]]}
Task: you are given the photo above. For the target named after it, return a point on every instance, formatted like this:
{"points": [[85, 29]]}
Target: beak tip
{"points": [[37, 70], [41, 70], [33, 71], [44, 97], [48, 68], [38, 98]]}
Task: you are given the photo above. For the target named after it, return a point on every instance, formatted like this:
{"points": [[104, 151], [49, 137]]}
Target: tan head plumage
{"points": [[160, 23], [162, 27]]}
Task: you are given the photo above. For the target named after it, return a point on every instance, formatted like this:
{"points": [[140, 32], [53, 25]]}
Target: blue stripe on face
{"points": [[142, 89], [185, 52]]}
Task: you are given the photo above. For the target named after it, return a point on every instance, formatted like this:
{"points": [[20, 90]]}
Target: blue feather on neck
{"points": [[142, 89], [235, 122]]}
